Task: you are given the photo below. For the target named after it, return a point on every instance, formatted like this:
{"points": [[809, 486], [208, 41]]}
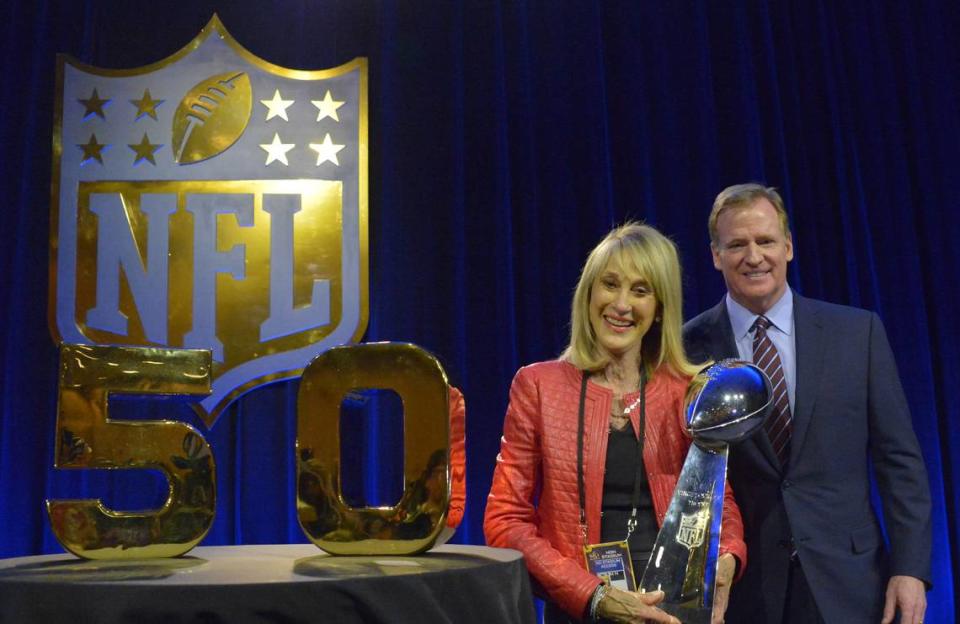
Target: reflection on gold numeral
{"points": [[87, 438], [414, 523]]}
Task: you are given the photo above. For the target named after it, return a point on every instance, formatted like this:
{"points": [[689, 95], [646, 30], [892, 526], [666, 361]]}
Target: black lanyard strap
{"points": [[638, 477], [580, 427]]}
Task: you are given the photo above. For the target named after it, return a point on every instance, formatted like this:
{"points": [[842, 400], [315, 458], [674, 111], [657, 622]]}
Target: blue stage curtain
{"points": [[506, 138]]}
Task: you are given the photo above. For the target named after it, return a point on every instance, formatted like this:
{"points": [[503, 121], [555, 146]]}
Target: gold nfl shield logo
{"points": [[692, 530], [211, 200]]}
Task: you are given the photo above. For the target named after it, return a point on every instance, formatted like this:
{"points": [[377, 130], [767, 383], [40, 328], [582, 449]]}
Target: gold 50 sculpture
{"points": [[429, 509]]}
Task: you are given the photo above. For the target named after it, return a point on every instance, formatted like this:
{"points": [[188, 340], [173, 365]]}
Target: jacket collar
{"points": [[811, 350]]}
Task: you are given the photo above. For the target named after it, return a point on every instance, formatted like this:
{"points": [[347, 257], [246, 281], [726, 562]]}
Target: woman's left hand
{"points": [[726, 568]]}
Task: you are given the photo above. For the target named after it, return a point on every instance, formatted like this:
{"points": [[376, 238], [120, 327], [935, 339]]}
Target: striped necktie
{"points": [[779, 424]]}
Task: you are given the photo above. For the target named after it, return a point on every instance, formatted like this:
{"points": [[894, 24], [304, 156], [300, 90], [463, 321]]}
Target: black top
{"points": [[623, 453]]}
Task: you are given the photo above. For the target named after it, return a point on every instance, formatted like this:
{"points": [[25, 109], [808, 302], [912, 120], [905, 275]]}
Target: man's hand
{"points": [[726, 567], [908, 595], [625, 607]]}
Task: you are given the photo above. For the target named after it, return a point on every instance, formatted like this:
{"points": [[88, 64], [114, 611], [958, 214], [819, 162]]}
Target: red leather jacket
{"points": [[538, 462], [458, 459]]}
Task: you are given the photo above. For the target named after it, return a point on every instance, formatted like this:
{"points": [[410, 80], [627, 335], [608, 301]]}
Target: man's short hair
{"points": [[742, 195]]}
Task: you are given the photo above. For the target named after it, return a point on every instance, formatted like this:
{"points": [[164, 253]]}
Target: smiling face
{"points": [[752, 252], [622, 309]]}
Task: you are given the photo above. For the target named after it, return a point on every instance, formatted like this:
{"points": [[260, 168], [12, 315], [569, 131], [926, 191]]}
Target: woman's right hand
{"points": [[626, 607]]}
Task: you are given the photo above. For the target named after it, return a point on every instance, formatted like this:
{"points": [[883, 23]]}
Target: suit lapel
{"points": [[810, 348], [723, 345]]}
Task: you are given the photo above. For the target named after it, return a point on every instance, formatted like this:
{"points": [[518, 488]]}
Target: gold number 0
{"points": [[416, 521], [87, 438]]}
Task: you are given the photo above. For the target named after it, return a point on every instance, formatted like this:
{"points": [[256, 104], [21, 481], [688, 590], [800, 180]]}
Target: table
{"points": [[287, 583]]}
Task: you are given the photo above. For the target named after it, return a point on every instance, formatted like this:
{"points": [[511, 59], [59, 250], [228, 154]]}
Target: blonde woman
{"points": [[596, 437]]}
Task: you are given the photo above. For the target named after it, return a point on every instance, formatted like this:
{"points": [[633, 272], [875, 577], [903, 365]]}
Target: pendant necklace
{"points": [[629, 408]]}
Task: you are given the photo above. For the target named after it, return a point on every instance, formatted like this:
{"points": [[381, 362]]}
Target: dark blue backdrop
{"points": [[506, 138]]}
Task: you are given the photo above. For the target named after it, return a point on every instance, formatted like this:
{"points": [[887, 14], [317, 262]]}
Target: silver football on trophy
{"points": [[729, 400]]}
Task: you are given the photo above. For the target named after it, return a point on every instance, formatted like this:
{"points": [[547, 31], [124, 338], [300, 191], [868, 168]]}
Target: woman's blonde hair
{"points": [[642, 248]]}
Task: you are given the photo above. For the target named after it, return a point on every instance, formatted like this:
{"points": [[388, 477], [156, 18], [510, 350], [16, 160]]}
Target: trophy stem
{"points": [[683, 564]]}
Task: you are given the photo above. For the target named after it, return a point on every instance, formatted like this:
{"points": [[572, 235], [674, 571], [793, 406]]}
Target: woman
{"points": [[625, 366]]}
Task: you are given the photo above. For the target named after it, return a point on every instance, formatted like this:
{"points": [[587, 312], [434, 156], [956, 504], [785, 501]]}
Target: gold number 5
{"points": [[88, 438]]}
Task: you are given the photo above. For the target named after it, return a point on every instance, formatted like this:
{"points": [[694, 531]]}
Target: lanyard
{"points": [[635, 501]]}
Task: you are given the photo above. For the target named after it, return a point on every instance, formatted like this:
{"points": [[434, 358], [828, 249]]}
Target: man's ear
{"points": [[716, 255], [789, 248]]}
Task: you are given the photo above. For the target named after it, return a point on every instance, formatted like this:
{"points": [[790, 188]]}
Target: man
{"points": [[815, 545]]}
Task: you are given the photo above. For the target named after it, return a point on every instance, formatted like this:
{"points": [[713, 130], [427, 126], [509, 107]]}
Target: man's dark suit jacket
{"points": [[850, 411]]}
